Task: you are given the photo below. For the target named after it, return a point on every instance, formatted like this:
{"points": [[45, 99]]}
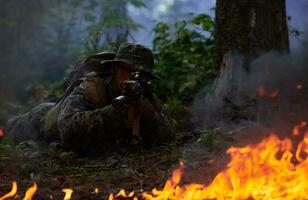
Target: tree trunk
{"points": [[250, 27], [245, 29]]}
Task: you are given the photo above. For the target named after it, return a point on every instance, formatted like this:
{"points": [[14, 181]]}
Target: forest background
{"points": [[41, 41]]}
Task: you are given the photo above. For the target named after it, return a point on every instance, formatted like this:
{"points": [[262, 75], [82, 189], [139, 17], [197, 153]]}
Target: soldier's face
{"points": [[123, 73]]}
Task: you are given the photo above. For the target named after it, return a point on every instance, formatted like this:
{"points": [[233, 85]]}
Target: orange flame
{"points": [[302, 147], [296, 131], [111, 197], [1, 133], [299, 86], [254, 172], [11, 193], [122, 194], [267, 170], [262, 91], [30, 192], [274, 94], [68, 193]]}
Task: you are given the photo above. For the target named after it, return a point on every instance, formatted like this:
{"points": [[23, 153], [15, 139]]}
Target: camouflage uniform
{"points": [[29, 126], [83, 123], [85, 117], [86, 121]]}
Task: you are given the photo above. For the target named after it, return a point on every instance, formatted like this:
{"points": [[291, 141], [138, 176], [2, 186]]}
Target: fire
{"points": [[1, 133], [296, 129], [68, 193], [274, 94], [254, 172], [272, 169], [11, 193], [263, 92], [30, 192], [299, 86]]}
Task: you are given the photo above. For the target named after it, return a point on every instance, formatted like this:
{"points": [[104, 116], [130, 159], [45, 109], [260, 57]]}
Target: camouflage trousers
{"points": [[29, 126]]}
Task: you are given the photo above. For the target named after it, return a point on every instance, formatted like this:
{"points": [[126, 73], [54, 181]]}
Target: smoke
{"points": [[245, 105], [271, 92], [39, 41]]}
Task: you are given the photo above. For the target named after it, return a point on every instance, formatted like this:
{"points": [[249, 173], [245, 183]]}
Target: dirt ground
{"points": [[129, 170], [135, 170]]}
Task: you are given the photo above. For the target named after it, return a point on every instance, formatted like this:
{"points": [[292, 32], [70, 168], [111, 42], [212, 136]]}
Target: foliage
{"points": [[40, 39], [55, 89], [207, 137], [294, 32], [110, 26], [185, 52], [178, 114]]}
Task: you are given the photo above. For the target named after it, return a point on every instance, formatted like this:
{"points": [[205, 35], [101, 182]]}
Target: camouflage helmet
{"points": [[136, 57]]}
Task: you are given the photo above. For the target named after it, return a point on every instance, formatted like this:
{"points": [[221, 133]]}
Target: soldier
{"points": [[29, 126], [89, 118], [92, 63], [33, 124]]}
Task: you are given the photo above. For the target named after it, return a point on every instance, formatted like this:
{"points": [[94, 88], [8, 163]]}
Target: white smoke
{"points": [[235, 97]]}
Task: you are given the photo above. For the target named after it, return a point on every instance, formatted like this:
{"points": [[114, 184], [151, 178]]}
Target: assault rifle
{"points": [[132, 90]]}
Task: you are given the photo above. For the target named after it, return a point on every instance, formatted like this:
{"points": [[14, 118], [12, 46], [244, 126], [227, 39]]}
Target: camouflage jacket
{"points": [[87, 118]]}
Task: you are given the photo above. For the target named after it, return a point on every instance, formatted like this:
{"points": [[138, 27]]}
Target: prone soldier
{"points": [[92, 115], [111, 105]]}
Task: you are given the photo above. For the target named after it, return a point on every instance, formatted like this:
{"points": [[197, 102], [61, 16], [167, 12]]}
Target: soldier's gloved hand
{"points": [[146, 109], [114, 117], [120, 109]]}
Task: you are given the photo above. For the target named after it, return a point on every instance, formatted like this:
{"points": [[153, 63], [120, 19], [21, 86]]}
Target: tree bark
{"points": [[251, 28]]}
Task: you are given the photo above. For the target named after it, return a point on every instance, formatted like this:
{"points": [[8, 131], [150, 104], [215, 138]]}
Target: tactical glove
{"points": [[113, 118]]}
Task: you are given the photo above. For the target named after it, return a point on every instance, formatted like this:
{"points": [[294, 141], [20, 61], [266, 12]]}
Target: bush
{"points": [[185, 52]]}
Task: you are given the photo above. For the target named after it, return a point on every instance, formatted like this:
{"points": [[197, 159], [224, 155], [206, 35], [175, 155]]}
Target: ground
{"points": [[134, 169], [52, 173]]}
